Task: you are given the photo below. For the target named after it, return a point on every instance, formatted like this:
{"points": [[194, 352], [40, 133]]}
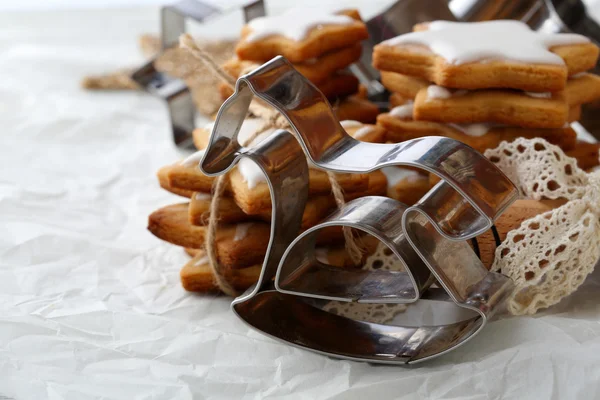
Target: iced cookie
{"points": [[300, 34], [316, 70], [399, 100], [514, 108], [364, 132], [238, 246], [186, 175], [163, 181], [400, 126], [317, 208], [396, 99], [406, 185], [197, 276], [490, 54], [356, 108], [251, 191], [580, 89], [404, 85]]}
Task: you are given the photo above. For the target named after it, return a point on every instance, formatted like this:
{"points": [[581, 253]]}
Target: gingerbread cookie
{"points": [[186, 175], [229, 212], [316, 70], [400, 126], [163, 181], [435, 103], [356, 108], [364, 132], [300, 35], [490, 54], [586, 154], [406, 185], [580, 89], [514, 108], [251, 191], [197, 276], [238, 246], [317, 208]]}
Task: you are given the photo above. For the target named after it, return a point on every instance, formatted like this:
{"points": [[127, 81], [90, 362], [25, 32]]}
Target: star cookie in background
{"points": [[491, 54], [486, 82], [300, 35]]}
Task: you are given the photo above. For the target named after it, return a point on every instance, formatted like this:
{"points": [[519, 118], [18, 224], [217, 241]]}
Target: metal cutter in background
{"points": [[174, 91]]}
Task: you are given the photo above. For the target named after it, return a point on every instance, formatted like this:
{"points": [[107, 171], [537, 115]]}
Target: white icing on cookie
{"points": [[404, 111], [322, 254], [349, 123], [295, 24], [202, 196], [251, 173], [475, 130], [193, 160], [539, 95], [396, 174], [365, 130], [241, 231], [464, 42], [201, 261], [438, 92]]}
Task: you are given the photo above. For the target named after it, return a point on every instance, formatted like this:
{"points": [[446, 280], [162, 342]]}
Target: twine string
{"points": [[272, 119]]}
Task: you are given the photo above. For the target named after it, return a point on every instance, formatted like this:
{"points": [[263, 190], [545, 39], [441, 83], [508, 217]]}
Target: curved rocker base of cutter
{"points": [[429, 238], [296, 321]]}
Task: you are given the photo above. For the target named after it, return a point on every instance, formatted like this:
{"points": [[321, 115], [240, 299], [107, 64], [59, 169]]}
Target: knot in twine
{"points": [[548, 256], [271, 120]]}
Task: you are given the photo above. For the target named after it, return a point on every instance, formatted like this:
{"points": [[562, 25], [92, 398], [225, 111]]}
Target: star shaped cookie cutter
{"points": [[429, 237], [174, 91]]}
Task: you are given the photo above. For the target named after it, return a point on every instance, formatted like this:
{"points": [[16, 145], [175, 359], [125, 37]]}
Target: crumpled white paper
{"points": [[90, 302]]}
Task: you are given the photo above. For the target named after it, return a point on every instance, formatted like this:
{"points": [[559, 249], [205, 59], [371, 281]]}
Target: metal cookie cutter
{"points": [[177, 95], [429, 238]]}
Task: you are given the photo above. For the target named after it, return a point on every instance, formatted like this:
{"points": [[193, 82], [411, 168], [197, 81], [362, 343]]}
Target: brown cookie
{"points": [[265, 37], [514, 108], [586, 154], [356, 108], [406, 185], [197, 276], [478, 136], [475, 70], [316, 71]]}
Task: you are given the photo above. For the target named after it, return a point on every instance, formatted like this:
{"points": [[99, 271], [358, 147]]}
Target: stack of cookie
{"points": [[245, 210], [320, 45], [487, 82]]}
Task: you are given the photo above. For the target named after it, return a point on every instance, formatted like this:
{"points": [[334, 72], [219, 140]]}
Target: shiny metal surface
{"points": [[301, 273], [429, 237], [174, 91]]}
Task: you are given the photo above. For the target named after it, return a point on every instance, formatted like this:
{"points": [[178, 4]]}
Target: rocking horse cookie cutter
{"points": [[429, 238]]}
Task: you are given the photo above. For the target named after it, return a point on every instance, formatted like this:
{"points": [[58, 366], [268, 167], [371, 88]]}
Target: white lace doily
{"points": [[550, 255]]}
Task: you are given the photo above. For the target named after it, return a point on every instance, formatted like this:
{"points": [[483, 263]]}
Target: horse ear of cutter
{"points": [[429, 238]]}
